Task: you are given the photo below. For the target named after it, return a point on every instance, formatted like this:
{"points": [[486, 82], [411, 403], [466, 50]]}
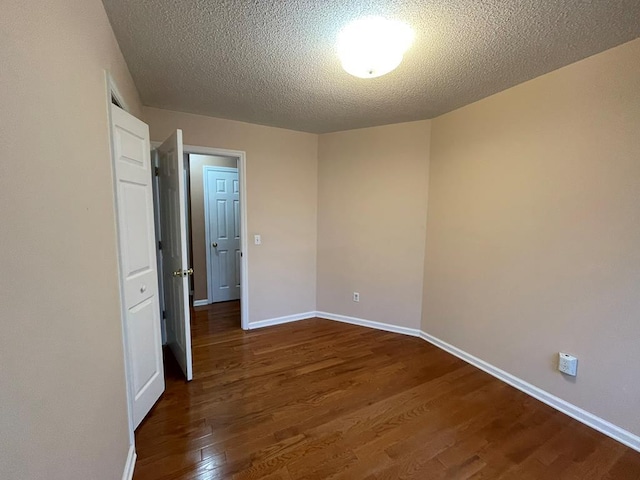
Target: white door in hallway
{"points": [[222, 214], [173, 234], [138, 267]]}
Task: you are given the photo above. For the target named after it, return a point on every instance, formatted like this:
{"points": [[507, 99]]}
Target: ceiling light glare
{"points": [[373, 46]]}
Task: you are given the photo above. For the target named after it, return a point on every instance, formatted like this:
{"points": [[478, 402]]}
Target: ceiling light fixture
{"points": [[373, 46]]}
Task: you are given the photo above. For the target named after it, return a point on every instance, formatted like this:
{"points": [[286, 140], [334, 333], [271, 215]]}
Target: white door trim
{"points": [[207, 225], [158, 233], [130, 465], [241, 158], [112, 91]]}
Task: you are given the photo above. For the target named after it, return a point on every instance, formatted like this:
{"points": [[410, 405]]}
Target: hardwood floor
{"points": [[318, 399]]}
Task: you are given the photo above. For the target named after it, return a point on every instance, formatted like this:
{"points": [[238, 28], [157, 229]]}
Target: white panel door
{"points": [[138, 268], [175, 269], [223, 220]]}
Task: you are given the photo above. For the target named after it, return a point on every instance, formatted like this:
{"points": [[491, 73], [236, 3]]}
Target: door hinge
{"points": [[164, 314], [159, 245], [156, 171]]}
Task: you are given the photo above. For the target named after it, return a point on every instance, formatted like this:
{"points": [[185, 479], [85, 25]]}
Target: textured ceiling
{"points": [[273, 62]]}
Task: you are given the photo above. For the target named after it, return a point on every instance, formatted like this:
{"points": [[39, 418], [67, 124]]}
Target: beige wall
{"points": [[372, 204], [281, 203], [533, 241], [63, 411], [199, 259]]}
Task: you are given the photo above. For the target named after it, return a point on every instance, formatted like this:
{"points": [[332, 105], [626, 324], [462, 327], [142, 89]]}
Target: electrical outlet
{"points": [[568, 364], [356, 297], [257, 240]]}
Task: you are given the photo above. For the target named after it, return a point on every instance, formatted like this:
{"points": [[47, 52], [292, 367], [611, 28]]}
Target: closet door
{"points": [[138, 267]]}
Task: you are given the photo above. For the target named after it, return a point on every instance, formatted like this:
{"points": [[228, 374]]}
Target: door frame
{"points": [[156, 222], [241, 161], [207, 225]]}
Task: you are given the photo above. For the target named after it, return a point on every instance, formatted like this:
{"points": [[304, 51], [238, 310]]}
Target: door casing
{"points": [[241, 159]]}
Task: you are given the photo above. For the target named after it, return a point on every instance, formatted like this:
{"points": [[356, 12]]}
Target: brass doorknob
{"points": [[183, 273]]}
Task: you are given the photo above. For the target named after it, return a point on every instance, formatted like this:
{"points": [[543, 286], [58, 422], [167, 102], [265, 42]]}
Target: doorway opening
{"points": [[229, 254], [215, 233]]}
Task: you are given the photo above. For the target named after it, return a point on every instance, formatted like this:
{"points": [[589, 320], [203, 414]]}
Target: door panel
{"points": [[238, 259], [223, 268], [138, 267], [223, 222], [144, 317], [236, 219], [173, 228], [136, 233]]}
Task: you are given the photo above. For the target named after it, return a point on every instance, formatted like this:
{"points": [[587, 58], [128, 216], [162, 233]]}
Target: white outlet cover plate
{"points": [[567, 364]]}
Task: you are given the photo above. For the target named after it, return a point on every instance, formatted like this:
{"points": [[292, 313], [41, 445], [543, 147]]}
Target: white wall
{"points": [[63, 411]]}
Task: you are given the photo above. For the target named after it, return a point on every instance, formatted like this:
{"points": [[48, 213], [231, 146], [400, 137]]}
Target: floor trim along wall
{"points": [[623, 436], [279, 320], [414, 332], [131, 463], [200, 303]]}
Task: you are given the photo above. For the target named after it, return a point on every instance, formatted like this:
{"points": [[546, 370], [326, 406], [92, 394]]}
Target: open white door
{"points": [[138, 268], [175, 268]]}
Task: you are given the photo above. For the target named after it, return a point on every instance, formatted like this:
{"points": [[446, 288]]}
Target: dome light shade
{"points": [[373, 46]]}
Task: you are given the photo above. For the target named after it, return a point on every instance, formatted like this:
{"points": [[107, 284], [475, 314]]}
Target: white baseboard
{"points": [[280, 320], [201, 303], [387, 327], [131, 463], [623, 436]]}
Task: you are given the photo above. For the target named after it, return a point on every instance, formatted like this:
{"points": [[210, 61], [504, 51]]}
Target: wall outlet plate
{"points": [[356, 297], [567, 364]]}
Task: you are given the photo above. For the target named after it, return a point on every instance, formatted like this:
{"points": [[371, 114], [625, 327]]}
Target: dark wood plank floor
{"points": [[318, 399]]}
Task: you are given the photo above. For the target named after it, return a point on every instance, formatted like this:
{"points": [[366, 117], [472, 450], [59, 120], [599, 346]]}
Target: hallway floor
{"points": [[318, 399]]}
